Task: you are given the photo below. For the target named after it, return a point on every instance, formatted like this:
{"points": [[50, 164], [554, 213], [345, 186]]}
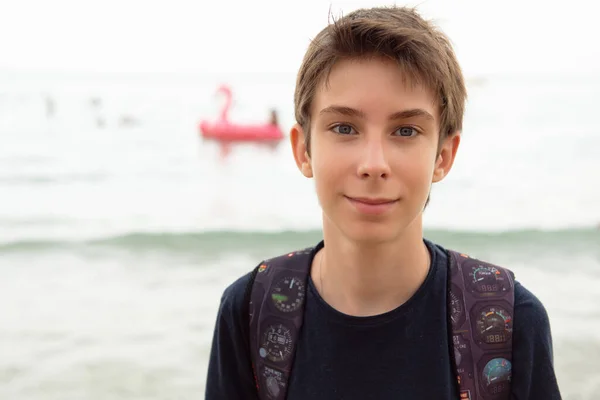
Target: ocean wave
{"points": [[243, 241]]}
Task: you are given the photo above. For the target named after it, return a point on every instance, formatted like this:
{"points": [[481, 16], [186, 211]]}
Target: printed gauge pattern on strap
{"points": [[276, 314], [481, 306]]}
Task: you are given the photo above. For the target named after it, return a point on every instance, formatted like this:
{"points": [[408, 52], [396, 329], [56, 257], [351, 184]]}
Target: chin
{"points": [[371, 230], [372, 233]]}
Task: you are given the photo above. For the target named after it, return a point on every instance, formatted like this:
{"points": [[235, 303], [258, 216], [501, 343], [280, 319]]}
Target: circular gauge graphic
{"points": [[494, 325], [457, 309], [486, 279], [496, 376], [276, 343], [288, 294], [273, 381], [273, 386]]}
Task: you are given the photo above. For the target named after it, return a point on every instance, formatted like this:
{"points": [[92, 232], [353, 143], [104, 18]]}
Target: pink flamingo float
{"points": [[227, 133]]}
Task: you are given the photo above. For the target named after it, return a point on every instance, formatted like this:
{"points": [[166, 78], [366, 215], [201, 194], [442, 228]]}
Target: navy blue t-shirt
{"points": [[401, 354]]}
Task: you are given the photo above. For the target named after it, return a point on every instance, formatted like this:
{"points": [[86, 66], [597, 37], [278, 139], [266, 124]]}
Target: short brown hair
{"points": [[399, 33]]}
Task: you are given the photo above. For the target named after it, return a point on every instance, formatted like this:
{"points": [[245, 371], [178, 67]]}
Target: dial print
{"points": [[288, 294], [494, 325], [277, 343]]}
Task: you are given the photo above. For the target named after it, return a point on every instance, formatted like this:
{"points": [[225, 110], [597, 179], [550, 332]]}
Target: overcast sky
{"points": [[271, 35]]}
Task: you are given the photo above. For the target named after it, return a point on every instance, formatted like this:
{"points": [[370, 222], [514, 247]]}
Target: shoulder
{"points": [[235, 295], [525, 299], [530, 315], [533, 357], [236, 289]]}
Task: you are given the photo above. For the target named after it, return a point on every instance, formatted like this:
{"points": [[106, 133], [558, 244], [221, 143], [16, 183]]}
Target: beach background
{"points": [[120, 228]]}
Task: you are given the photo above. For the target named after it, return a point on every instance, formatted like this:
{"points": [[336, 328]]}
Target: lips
{"points": [[372, 201], [371, 205]]}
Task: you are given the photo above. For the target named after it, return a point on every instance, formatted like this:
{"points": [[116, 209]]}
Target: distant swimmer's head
{"points": [[274, 120]]}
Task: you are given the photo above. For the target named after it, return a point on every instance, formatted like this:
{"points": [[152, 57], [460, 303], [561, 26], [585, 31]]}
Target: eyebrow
{"points": [[351, 112]]}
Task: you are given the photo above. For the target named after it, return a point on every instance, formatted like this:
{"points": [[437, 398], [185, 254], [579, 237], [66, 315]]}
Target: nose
{"points": [[373, 162]]}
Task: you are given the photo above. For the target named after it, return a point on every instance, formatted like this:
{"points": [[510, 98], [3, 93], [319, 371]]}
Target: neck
{"points": [[365, 279]]}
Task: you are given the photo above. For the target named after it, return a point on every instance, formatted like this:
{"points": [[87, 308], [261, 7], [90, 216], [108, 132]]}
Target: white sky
{"points": [[271, 35]]}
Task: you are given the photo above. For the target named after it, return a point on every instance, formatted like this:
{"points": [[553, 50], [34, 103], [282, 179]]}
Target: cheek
{"points": [[327, 162], [330, 174], [417, 169], [326, 173]]}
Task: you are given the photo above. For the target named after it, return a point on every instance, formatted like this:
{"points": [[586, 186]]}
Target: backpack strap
{"points": [[480, 318], [276, 314], [481, 309]]}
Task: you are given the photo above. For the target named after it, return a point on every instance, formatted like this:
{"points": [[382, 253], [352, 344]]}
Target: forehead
{"points": [[373, 85]]}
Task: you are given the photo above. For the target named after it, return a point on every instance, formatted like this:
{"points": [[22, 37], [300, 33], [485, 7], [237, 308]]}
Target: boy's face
{"points": [[374, 142]]}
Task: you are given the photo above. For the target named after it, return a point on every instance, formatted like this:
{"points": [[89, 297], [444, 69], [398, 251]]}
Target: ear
{"points": [[301, 156], [445, 158]]}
